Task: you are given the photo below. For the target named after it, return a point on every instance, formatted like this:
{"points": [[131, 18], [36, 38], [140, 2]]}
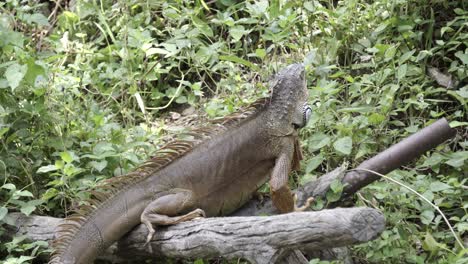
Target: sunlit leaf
{"points": [[3, 212], [427, 216], [438, 186], [314, 162], [9, 186], [344, 145], [14, 74]]}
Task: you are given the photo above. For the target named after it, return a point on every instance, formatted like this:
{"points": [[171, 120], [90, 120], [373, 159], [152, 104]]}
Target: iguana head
{"points": [[289, 108]]}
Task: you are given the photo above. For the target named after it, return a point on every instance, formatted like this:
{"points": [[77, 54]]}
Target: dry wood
{"points": [[258, 239]]}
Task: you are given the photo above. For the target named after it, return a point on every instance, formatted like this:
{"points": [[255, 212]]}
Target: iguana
{"points": [[212, 174]]}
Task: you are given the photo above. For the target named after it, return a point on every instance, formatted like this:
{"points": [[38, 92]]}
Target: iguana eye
{"points": [[306, 113]]}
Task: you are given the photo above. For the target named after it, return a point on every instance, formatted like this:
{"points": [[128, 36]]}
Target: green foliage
{"points": [[84, 92]]}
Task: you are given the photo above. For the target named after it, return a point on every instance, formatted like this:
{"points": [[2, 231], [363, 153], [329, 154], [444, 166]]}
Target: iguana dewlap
{"points": [[212, 175]]}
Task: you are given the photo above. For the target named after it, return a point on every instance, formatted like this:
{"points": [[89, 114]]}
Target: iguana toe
{"points": [[200, 212], [150, 232], [305, 206]]}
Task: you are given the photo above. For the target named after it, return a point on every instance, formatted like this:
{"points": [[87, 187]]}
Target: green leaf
{"points": [[357, 109], [3, 83], [406, 56], [318, 141], [34, 71], [66, 156], [9, 186], [314, 163], [344, 145], [50, 193], [261, 53], [20, 260], [237, 32], [102, 148], [27, 209], [458, 124], [47, 168], [38, 19], [3, 131], [336, 186], [204, 28], [140, 102], [236, 59], [390, 53], [309, 6], [430, 244], [376, 118], [204, 5], [462, 56], [259, 8], [402, 71], [438, 186], [152, 51], [30, 206], [99, 165], [70, 17], [3, 212], [427, 216], [14, 74], [456, 162], [434, 159], [71, 170], [318, 204], [463, 92], [460, 11], [24, 193]]}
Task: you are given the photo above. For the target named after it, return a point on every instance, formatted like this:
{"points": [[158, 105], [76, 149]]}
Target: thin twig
{"points": [[54, 12]]}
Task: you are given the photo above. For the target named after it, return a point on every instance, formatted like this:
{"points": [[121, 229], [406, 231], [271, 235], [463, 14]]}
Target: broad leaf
{"points": [[3, 212], [344, 145], [14, 74]]}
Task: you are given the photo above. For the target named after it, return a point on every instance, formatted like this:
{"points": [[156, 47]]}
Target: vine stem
{"points": [[420, 196], [173, 97]]}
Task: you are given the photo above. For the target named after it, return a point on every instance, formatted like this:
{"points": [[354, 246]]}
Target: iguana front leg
{"points": [[281, 195], [164, 211]]}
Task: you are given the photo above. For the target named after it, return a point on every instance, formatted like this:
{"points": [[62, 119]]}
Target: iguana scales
{"points": [[211, 175]]}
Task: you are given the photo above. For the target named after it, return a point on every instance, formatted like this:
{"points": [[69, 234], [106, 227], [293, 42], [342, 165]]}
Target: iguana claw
{"points": [[195, 214], [305, 206], [150, 234]]}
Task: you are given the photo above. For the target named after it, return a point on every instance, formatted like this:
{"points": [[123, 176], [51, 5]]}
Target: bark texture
{"points": [[258, 239]]}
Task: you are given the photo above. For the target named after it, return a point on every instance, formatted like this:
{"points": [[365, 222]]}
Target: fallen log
{"points": [[258, 239]]}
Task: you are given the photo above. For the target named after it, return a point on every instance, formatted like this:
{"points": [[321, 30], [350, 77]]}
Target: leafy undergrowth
{"points": [[86, 88]]}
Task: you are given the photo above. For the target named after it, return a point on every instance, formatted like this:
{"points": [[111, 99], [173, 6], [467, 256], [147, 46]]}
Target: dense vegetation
{"points": [[88, 90]]}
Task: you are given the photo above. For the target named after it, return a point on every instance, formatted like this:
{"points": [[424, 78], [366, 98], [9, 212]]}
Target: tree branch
{"points": [[258, 239]]}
